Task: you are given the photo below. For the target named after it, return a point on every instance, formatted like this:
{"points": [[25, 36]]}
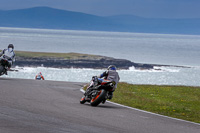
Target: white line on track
{"points": [[147, 111]]}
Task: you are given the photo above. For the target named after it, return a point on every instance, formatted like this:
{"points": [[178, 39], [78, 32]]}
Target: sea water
{"points": [[158, 76], [181, 50]]}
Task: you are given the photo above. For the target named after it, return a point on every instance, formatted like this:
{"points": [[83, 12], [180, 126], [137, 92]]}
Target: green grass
{"points": [[181, 102], [56, 55]]}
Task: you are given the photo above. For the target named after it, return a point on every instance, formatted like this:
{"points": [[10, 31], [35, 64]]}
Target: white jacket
{"points": [[8, 54]]}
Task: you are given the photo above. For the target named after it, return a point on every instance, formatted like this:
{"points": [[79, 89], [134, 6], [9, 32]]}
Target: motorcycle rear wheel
{"points": [[99, 98], [1, 70]]}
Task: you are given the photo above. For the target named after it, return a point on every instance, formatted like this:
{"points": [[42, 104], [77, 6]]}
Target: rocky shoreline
{"points": [[75, 60], [95, 63]]}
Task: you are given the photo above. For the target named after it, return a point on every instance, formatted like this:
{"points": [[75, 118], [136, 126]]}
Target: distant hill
{"points": [[49, 18], [158, 25]]}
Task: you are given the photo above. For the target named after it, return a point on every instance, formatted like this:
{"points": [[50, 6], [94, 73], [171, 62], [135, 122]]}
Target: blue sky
{"points": [[144, 8]]}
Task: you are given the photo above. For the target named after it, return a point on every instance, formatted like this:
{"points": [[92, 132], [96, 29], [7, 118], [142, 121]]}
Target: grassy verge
{"points": [[181, 102], [56, 55]]}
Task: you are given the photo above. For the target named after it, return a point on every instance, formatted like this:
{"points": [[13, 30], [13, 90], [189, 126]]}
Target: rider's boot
{"points": [[110, 95], [6, 73], [103, 101]]}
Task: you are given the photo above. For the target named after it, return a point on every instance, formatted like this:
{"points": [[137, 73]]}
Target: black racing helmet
{"points": [[11, 46], [112, 67]]}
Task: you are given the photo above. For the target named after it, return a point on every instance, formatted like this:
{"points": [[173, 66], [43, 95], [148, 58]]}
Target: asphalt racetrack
{"points": [[29, 106]]}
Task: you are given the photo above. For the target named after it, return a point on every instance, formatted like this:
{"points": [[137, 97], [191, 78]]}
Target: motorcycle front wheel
{"points": [[99, 98], [82, 101]]}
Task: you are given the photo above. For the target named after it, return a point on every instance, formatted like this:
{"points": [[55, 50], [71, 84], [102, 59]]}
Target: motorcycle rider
{"points": [[39, 76], [112, 75], [8, 54]]}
